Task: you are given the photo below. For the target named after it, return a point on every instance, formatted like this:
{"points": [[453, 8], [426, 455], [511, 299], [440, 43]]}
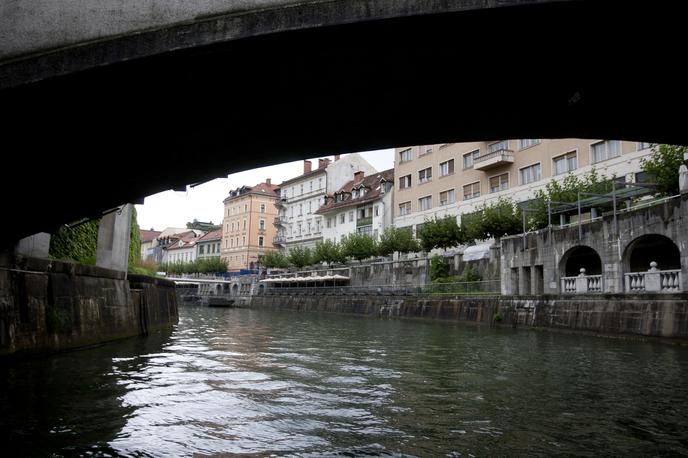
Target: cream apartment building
{"points": [[248, 225], [457, 178]]}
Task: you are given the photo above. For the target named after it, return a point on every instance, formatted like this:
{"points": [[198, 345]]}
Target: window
{"points": [[447, 168], [368, 230], [427, 149], [504, 144], [499, 183], [405, 155], [300, 209], [311, 183], [244, 224], [471, 191], [232, 227], [405, 208], [377, 210], [530, 174], [405, 182], [469, 158], [425, 203], [601, 151], [645, 145], [565, 163], [310, 207], [351, 216], [447, 197], [329, 222], [425, 175], [301, 189], [641, 177], [528, 142], [245, 208], [261, 224], [200, 249], [341, 218], [260, 241], [262, 208], [243, 241], [320, 183]]}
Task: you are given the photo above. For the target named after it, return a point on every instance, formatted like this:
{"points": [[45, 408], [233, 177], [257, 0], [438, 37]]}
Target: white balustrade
{"points": [[654, 280], [568, 284], [594, 283]]}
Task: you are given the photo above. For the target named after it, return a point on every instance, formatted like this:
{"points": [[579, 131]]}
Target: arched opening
{"points": [[225, 288], [652, 248], [218, 290], [261, 288], [580, 257], [235, 289]]}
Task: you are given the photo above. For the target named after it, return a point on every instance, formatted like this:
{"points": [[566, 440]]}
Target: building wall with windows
{"points": [[209, 246], [248, 228], [456, 178]]}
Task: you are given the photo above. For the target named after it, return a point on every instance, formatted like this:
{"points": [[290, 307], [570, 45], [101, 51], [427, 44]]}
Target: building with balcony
{"points": [[297, 222], [363, 205], [247, 228], [457, 178]]}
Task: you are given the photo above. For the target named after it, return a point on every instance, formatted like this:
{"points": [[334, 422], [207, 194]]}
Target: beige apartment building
{"points": [[247, 227], [456, 178]]}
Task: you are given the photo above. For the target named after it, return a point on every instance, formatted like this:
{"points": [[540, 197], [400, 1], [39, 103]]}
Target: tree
{"points": [[300, 256], [501, 218], [328, 251], [395, 239], [662, 167], [134, 238], [359, 246], [274, 259], [440, 233], [439, 268]]}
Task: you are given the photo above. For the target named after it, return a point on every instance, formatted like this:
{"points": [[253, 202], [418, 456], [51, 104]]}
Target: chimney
{"points": [[306, 166], [336, 157], [268, 181], [358, 177], [322, 163]]}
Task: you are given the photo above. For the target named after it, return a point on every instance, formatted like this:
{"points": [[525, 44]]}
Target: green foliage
{"points": [[274, 259], [134, 238], [501, 218], [470, 273], [199, 266], [439, 268], [395, 239], [144, 267], [472, 226], [300, 256], [76, 244], [359, 246], [662, 167], [440, 233], [566, 190], [497, 317], [328, 251]]}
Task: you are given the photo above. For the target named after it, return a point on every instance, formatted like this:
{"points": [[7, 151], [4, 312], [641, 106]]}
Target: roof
{"points": [[371, 182], [260, 188], [211, 236], [148, 236], [305, 175], [188, 242]]}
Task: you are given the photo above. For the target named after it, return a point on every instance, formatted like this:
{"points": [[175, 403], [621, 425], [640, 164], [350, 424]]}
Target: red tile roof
{"points": [[212, 235], [372, 183], [147, 236], [188, 242]]}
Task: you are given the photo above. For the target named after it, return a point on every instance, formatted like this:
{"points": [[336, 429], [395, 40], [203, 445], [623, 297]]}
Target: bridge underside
{"points": [[91, 140]]}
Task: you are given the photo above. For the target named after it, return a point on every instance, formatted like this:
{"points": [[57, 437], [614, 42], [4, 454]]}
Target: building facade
{"points": [[363, 205], [300, 198], [457, 178], [247, 229], [148, 241], [209, 246], [183, 250]]}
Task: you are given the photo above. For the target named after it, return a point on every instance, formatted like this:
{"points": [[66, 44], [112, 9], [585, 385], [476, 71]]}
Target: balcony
{"points": [[364, 221], [281, 202], [494, 159], [278, 240], [280, 221]]}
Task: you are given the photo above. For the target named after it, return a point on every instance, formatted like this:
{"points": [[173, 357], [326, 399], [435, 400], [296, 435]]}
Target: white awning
{"points": [[475, 252]]}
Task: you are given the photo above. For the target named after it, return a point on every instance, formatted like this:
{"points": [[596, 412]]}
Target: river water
{"points": [[247, 382]]}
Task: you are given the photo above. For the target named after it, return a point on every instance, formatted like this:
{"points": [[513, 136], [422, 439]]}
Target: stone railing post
{"points": [[581, 282], [683, 175], [653, 280]]}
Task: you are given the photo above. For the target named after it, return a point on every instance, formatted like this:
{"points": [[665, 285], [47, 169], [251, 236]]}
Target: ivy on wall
{"points": [[79, 243]]}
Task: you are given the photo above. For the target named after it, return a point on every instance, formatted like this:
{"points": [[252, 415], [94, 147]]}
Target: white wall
{"points": [[342, 171]]}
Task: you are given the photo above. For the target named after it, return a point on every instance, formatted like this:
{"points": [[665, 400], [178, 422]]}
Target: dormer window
{"points": [[355, 193]]}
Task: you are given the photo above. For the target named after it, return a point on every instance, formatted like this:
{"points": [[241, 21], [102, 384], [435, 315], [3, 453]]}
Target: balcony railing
{"points": [[581, 284], [364, 221], [658, 281], [494, 159], [280, 221], [278, 241]]}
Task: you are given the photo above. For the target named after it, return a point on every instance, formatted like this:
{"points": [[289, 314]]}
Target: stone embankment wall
{"points": [[49, 305], [647, 315]]}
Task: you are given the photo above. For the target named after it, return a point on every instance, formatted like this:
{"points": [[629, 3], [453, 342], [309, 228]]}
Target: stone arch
{"points": [[235, 289], [261, 288], [225, 288], [581, 256], [643, 250]]}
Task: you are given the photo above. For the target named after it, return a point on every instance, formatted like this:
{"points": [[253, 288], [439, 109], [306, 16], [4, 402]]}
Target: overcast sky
{"points": [[204, 202]]}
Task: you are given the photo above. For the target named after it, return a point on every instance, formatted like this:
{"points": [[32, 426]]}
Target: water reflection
{"points": [[248, 382]]}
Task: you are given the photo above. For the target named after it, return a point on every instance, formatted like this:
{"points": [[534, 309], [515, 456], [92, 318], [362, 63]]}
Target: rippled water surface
{"points": [[239, 381]]}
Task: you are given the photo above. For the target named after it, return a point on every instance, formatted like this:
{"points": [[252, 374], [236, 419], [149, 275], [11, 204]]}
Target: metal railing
{"points": [[481, 288]]}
